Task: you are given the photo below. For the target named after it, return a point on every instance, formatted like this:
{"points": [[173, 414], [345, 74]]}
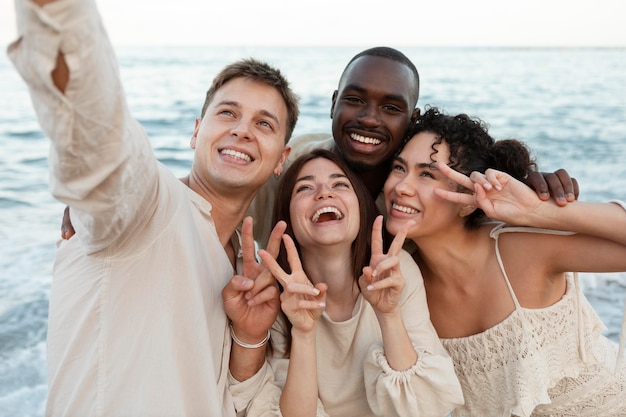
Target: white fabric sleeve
{"points": [[101, 162], [428, 388]]}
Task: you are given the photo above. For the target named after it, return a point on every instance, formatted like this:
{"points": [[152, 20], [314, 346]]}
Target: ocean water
{"points": [[568, 105]]}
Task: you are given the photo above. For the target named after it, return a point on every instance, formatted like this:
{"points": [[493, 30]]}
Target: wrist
{"points": [[245, 343]]}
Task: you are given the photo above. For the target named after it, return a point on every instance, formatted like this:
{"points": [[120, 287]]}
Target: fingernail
{"points": [[370, 287], [316, 291], [322, 304]]}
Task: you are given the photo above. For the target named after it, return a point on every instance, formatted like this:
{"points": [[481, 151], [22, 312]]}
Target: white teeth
{"points": [[318, 213], [363, 139], [236, 154], [404, 209]]}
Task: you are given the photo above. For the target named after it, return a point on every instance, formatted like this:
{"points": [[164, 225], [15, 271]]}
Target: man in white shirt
{"points": [[137, 324]]}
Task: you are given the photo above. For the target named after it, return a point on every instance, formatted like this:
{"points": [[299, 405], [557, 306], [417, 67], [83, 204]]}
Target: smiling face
{"points": [[372, 109], [240, 140], [324, 208], [409, 189]]}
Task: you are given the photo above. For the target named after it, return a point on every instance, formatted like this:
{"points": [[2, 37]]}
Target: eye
{"points": [[342, 184], [267, 124], [226, 113], [392, 108], [303, 187], [398, 168], [427, 174], [353, 99]]}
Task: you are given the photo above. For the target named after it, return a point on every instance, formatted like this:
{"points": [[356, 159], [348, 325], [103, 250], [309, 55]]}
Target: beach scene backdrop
{"points": [[568, 104]]}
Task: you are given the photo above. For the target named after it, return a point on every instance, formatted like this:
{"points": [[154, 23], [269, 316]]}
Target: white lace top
{"points": [[551, 361]]}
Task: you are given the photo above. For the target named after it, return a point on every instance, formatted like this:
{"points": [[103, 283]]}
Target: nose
{"points": [[404, 187], [324, 193], [369, 115], [242, 129]]}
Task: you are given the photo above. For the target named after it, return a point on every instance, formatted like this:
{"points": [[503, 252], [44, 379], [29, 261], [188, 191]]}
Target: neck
{"points": [[333, 266], [451, 256], [227, 209]]}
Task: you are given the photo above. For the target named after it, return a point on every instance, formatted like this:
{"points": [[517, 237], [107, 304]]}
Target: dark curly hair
{"points": [[473, 149]]}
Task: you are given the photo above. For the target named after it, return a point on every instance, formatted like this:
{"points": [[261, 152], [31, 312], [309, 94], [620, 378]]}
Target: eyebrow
{"points": [[238, 106], [421, 165], [312, 177], [393, 97]]}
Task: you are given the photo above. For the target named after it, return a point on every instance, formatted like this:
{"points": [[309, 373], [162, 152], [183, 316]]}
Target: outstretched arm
{"points": [[504, 198], [101, 162]]}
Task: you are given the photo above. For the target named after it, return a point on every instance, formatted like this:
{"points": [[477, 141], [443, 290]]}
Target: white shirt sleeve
{"points": [[101, 162]]}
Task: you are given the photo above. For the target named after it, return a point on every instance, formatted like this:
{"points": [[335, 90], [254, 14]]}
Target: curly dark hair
{"points": [[473, 149]]}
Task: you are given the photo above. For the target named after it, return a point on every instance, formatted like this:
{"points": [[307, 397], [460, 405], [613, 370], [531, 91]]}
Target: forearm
{"points": [[299, 396], [603, 220], [246, 361], [399, 350], [101, 161]]}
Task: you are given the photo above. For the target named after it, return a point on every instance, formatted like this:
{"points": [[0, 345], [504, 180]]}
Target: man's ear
{"points": [[192, 142], [332, 106], [281, 163], [415, 115]]}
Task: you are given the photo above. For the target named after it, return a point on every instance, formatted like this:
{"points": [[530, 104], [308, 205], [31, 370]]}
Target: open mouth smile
{"points": [[404, 209], [236, 154], [364, 139], [327, 214]]}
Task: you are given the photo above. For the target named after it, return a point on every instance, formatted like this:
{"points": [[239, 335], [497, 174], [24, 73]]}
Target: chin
{"points": [[359, 165]]}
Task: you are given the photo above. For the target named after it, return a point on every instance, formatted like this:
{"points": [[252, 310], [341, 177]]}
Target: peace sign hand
{"points": [[251, 300], [382, 281], [302, 302], [498, 194]]}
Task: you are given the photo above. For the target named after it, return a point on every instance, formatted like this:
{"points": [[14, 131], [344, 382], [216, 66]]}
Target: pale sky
{"points": [[563, 23]]}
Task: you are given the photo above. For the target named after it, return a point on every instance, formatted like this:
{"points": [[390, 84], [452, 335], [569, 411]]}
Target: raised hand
{"points": [[251, 300], [499, 195], [301, 301], [382, 281]]}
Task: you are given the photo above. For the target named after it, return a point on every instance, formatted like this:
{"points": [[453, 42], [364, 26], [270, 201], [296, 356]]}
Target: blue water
{"points": [[569, 105]]}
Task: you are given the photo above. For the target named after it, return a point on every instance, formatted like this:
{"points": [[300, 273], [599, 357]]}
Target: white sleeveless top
{"points": [[551, 361]]}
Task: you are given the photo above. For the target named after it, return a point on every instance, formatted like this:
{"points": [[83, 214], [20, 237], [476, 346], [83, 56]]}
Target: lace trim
{"points": [[560, 367]]}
